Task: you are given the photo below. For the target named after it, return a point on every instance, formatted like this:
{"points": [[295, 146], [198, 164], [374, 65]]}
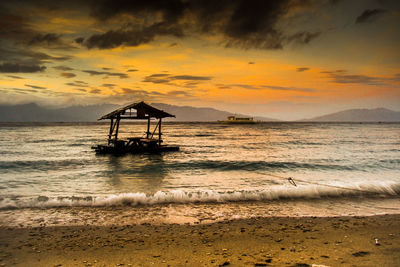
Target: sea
{"points": [[50, 175]]}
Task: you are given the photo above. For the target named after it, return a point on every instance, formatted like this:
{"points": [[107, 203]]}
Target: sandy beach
{"points": [[274, 241]]}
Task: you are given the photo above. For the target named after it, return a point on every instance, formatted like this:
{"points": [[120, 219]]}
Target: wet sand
{"points": [[274, 241]]}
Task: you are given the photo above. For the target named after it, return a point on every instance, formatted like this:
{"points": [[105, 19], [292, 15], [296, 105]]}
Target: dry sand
{"points": [[275, 241]]}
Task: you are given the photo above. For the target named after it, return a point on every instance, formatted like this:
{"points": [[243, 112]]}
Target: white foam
{"points": [[204, 196]]}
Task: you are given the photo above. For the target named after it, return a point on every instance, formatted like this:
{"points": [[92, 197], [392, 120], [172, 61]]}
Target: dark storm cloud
{"points": [[34, 86], [133, 37], [13, 26], [25, 61], [303, 37], [370, 15], [68, 75], [16, 29], [46, 39], [242, 23], [302, 69], [107, 73], [79, 40], [20, 68]]}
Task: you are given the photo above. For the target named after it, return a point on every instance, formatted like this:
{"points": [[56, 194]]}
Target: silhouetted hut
{"points": [[135, 111]]}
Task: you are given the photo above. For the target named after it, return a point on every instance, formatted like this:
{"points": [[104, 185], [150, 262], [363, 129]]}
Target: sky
{"points": [[284, 59]]}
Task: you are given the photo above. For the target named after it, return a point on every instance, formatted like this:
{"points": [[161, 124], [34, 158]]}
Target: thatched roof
{"points": [[144, 111]]}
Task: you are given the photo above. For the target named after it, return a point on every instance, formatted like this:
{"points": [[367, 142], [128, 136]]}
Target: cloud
{"points": [[20, 68], [78, 84], [109, 85], [132, 37], [303, 37], [79, 40], [63, 68], [342, 77], [95, 91], [94, 72], [188, 81], [35, 87], [190, 78], [178, 93], [14, 77], [251, 63], [153, 95], [261, 87], [23, 91], [370, 15], [25, 61], [132, 70], [50, 40], [302, 69], [239, 23], [289, 88], [68, 75]]}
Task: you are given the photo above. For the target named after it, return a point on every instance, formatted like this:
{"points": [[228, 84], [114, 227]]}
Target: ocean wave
{"points": [[205, 196]]}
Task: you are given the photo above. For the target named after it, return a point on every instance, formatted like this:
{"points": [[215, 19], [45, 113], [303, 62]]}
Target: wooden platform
{"points": [[134, 145]]}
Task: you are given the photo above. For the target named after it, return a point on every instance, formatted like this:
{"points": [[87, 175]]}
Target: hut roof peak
{"points": [[142, 109]]}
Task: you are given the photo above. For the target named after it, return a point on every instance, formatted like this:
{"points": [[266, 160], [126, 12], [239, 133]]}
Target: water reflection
{"points": [[137, 173]]}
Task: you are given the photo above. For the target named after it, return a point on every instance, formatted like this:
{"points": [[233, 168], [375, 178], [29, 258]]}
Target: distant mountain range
{"points": [[361, 115], [35, 113], [188, 113]]}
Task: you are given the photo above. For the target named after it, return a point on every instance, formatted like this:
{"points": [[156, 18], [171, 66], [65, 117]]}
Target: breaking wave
{"points": [[205, 196]]}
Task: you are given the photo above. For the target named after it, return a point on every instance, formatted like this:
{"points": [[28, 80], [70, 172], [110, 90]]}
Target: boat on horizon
{"points": [[239, 120]]}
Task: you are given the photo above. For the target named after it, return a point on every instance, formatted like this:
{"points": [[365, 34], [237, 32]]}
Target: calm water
{"points": [[50, 166]]}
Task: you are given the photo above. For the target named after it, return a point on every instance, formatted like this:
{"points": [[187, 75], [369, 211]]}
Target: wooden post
{"points": [[159, 133], [111, 131], [116, 130], [148, 128]]}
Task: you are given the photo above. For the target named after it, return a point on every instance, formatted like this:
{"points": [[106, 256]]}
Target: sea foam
{"points": [[205, 196]]}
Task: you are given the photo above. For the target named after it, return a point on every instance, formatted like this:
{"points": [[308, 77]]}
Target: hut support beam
{"points": [[116, 130], [111, 131], [148, 128], [159, 133]]}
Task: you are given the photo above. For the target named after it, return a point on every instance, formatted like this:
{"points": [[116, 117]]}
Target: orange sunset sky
{"points": [[285, 59]]}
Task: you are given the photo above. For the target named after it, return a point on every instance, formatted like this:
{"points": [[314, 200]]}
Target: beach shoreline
{"points": [[267, 241]]}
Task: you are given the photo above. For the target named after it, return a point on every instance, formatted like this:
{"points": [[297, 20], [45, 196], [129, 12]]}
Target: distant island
{"points": [[35, 113], [360, 115]]}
